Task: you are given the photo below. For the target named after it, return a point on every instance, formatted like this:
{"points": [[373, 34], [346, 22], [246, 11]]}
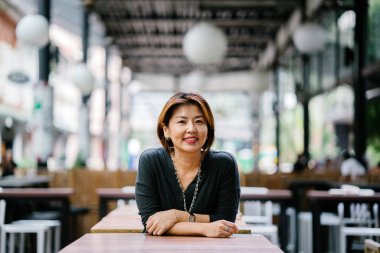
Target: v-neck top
{"points": [[157, 188]]}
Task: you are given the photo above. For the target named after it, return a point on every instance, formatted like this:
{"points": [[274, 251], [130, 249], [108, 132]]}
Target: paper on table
{"points": [[352, 190], [254, 190], [128, 189]]}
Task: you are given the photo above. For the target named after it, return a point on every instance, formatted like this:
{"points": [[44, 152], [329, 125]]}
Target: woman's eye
{"points": [[199, 122], [181, 122]]}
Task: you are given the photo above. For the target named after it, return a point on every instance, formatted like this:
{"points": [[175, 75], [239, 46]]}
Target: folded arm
{"points": [[175, 222]]}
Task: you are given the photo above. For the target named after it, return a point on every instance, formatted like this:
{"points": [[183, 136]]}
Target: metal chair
{"points": [[54, 226], [259, 216], [367, 225], [23, 228]]}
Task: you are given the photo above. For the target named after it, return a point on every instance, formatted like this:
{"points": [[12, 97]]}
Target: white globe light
{"points": [[310, 38], [83, 78], [205, 44], [33, 30]]}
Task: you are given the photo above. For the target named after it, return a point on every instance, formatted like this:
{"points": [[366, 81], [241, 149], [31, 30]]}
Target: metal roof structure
{"points": [[149, 33]]}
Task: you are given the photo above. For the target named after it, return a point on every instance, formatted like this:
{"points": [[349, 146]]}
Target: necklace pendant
{"points": [[183, 192]]}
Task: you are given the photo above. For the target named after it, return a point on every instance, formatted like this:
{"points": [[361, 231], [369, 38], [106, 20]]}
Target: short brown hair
{"points": [[182, 98]]}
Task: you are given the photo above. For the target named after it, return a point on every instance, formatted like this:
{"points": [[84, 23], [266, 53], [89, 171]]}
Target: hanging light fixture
{"points": [[205, 44], [33, 30], [310, 38], [83, 79]]}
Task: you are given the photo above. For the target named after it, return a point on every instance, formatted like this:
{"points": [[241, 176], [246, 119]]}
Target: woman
{"points": [[185, 188], [8, 166]]}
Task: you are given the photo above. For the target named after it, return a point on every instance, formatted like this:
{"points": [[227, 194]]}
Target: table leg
{"points": [[282, 227], [316, 212], [102, 207], [65, 212]]}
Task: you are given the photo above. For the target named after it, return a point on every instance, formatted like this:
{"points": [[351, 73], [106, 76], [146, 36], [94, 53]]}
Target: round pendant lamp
{"points": [[205, 44], [33, 30], [83, 79], [310, 38]]}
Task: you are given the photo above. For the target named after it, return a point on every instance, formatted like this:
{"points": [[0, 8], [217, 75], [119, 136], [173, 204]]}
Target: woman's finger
{"points": [[230, 230], [225, 233], [152, 228], [148, 225], [232, 226], [157, 231], [160, 231]]}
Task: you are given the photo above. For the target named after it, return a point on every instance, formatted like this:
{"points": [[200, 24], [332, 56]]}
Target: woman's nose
{"points": [[191, 127]]}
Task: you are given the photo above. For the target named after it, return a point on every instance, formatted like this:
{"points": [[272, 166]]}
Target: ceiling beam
{"points": [[233, 61], [247, 3], [180, 22], [142, 40], [157, 51], [182, 70]]}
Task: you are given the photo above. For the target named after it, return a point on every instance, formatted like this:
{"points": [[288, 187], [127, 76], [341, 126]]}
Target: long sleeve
{"points": [[228, 196], [147, 197]]}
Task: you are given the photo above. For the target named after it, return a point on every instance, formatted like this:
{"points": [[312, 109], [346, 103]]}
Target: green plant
{"points": [[27, 163]]}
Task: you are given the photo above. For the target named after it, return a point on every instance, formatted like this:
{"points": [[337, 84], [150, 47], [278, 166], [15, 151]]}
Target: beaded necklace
{"points": [[183, 192]]}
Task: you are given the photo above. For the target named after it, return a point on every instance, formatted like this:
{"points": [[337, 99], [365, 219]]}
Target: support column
{"points": [[43, 101], [256, 127], [276, 110], [107, 107], [305, 103], [84, 128], [359, 82]]}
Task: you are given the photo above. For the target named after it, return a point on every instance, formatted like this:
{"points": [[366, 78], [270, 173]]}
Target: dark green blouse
{"points": [[157, 188]]}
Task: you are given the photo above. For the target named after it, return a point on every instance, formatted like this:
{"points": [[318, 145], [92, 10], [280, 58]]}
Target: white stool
{"points": [[12, 229], [22, 229], [355, 231], [269, 231], [258, 215], [55, 227]]}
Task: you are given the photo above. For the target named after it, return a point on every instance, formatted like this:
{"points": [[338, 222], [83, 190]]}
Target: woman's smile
{"points": [[187, 129], [191, 140]]}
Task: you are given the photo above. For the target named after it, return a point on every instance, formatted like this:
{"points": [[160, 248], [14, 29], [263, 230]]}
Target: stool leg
{"points": [[336, 232], [3, 241], [48, 240], [57, 240], [275, 238], [342, 242], [40, 241], [11, 242], [21, 243]]}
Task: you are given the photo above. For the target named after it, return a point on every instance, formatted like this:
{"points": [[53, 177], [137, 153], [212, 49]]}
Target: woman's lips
{"points": [[191, 140]]}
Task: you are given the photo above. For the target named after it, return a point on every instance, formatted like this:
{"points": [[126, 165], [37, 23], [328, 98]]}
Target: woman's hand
{"points": [[161, 222], [220, 228]]}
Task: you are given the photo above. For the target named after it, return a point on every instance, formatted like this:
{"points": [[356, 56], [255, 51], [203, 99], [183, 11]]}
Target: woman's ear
{"points": [[166, 131]]}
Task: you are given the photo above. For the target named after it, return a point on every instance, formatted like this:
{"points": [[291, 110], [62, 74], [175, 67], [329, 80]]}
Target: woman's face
{"points": [[187, 129]]}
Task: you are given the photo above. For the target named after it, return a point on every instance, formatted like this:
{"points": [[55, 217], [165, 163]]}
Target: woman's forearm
{"points": [[220, 228], [187, 228], [184, 227], [182, 216]]}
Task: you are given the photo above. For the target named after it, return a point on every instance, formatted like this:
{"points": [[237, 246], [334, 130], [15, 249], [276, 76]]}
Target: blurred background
{"points": [[292, 84], [272, 99]]}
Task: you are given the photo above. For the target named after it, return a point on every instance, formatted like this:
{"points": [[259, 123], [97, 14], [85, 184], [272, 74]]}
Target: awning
{"points": [[7, 29]]}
